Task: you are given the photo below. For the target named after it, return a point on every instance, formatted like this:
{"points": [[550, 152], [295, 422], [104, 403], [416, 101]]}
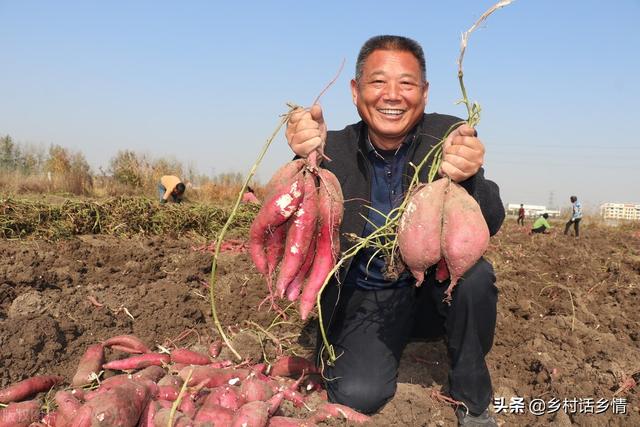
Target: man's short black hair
{"points": [[180, 187], [387, 42], [545, 215]]}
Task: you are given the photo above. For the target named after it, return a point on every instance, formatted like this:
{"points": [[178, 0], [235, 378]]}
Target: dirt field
{"points": [[568, 323]]}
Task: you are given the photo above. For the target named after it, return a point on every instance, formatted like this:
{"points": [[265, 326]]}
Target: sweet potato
{"points": [[299, 235], [212, 377], [67, 404], [465, 235], [226, 396], [190, 357], [289, 422], [330, 211], [138, 362], [295, 287], [120, 406], [152, 373], [168, 392], [274, 246], [28, 388], [335, 410], [274, 211], [255, 389], [215, 415], [179, 419], [148, 414], [20, 414], [420, 228], [90, 365], [215, 348], [287, 366], [130, 342], [252, 414]]}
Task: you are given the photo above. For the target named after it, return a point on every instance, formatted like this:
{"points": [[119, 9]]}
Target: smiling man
{"points": [[370, 318]]}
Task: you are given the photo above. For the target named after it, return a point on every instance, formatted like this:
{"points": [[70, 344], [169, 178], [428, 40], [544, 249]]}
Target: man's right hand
{"points": [[306, 131]]}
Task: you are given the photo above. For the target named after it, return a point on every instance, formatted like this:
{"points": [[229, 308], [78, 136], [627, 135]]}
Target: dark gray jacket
{"points": [[347, 151]]}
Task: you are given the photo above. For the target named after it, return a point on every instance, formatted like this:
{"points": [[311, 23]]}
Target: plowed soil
{"points": [[568, 319]]}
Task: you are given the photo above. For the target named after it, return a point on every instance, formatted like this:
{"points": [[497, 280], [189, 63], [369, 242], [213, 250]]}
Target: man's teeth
{"points": [[392, 112]]}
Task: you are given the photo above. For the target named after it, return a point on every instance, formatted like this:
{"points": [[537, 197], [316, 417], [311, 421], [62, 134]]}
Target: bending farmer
{"points": [[170, 189]]}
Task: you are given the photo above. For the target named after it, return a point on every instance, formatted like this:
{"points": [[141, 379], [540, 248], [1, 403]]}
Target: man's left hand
{"points": [[463, 154]]}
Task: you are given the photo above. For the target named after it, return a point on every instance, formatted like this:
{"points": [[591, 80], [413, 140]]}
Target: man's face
{"points": [[390, 96]]}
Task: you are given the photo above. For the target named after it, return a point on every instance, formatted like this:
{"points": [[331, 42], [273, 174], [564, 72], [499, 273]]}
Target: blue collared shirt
{"points": [[387, 167]]}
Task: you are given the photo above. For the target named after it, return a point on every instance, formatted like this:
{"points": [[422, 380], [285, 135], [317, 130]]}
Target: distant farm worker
{"points": [[576, 216], [541, 225], [370, 318], [171, 189], [249, 196], [521, 214]]}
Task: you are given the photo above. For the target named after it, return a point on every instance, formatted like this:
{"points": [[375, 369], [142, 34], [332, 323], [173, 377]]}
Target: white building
{"points": [[628, 211], [531, 211]]}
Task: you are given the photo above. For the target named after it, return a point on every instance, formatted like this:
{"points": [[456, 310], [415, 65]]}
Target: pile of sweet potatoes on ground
{"points": [[297, 229], [180, 388]]}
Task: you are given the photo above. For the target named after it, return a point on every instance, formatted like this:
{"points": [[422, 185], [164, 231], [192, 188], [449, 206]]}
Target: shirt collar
{"points": [[407, 140]]}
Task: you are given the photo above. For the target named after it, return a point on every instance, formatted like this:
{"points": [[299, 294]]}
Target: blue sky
{"points": [[205, 82]]}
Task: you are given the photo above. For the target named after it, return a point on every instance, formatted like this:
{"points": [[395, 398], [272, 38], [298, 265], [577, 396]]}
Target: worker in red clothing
{"points": [[250, 196], [521, 214]]}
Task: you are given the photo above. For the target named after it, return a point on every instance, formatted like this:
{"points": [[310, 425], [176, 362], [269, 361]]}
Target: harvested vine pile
{"points": [[120, 216], [567, 318]]}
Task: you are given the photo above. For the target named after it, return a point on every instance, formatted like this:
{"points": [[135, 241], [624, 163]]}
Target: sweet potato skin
{"points": [[20, 414]]}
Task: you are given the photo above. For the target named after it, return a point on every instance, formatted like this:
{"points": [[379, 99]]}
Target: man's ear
{"points": [[354, 91]]}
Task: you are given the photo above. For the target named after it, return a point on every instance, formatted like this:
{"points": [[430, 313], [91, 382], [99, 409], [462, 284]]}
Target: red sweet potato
{"points": [[172, 380], [20, 414], [152, 373], [335, 410], [330, 211], [465, 235], [255, 389], [138, 362], [215, 415], [299, 234], [168, 392], [148, 414], [120, 406], [274, 246], [252, 414], [212, 377], [190, 357], [295, 287], [67, 404], [225, 396], [420, 228], [90, 364], [130, 342], [289, 422], [287, 366], [28, 388], [274, 211], [179, 419], [215, 348]]}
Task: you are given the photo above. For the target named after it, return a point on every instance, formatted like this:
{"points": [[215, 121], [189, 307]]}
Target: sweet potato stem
{"points": [[223, 231]]}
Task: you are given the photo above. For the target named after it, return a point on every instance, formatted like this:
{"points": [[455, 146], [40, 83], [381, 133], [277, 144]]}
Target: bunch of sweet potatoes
{"points": [[442, 224], [183, 388], [297, 230]]}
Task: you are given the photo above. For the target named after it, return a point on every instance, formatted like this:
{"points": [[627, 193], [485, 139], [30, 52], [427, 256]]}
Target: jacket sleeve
{"points": [[487, 194]]}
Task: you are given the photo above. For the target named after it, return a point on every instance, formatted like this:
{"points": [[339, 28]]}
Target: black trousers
{"points": [[369, 330], [576, 226], [540, 229]]}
